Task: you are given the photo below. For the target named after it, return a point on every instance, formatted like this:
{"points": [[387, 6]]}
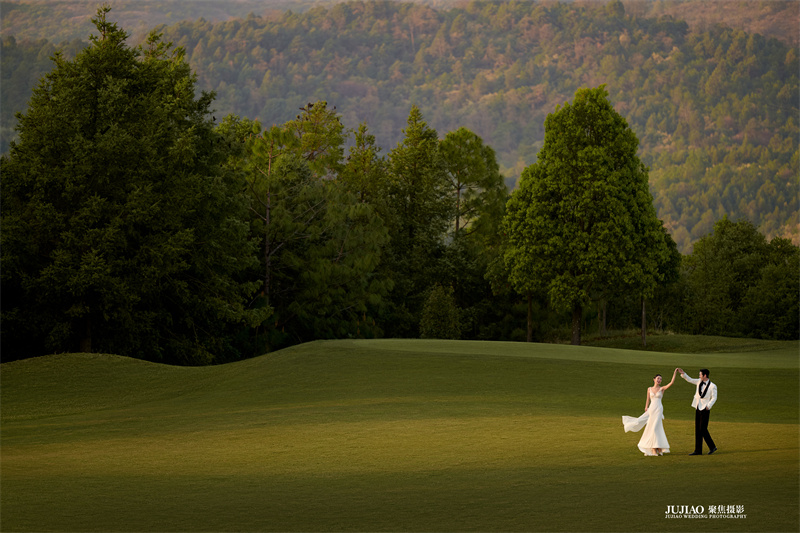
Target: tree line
{"points": [[134, 223]]}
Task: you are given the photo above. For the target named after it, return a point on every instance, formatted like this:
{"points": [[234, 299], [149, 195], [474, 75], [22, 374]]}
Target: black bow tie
{"points": [[702, 391]]}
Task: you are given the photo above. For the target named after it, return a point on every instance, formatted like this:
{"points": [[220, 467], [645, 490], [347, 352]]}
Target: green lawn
{"points": [[394, 435]]}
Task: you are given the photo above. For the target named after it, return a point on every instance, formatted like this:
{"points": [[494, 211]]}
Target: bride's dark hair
{"points": [[654, 377]]}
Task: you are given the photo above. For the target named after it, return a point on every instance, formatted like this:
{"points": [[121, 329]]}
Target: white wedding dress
{"points": [[653, 423]]}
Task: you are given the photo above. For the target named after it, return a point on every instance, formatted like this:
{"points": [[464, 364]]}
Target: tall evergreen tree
{"points": [[320, 138], [477, 196], [321, 241], [365, 173], [419, 185], [121, 231], [419, 194]]}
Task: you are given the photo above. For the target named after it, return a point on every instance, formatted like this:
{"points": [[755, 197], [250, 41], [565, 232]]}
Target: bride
{"points": [[654, 440]]}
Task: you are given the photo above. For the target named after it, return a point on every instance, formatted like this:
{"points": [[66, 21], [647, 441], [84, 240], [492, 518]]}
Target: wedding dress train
{"points": [[652, 422]]}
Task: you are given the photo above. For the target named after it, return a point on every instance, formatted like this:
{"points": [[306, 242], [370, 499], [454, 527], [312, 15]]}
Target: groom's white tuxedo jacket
{"points": [[710, 396]]}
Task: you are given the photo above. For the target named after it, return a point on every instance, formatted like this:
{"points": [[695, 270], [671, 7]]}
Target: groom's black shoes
{"points": [[712, 450]]}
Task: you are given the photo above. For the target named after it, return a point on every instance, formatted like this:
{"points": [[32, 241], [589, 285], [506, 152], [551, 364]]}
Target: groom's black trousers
{"points": [[701, 430]]}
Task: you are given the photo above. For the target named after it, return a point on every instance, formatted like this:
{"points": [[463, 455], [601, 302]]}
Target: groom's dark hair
{"points": [[705, 372]]}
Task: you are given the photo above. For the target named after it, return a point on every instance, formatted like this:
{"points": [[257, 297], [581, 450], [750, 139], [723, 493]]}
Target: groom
{"points": [[704, 397]]}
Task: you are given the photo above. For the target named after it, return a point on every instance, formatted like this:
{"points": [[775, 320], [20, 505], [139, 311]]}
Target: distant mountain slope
{"points": [[69, 19], [770, 18], [66, 20], [715, 108]]}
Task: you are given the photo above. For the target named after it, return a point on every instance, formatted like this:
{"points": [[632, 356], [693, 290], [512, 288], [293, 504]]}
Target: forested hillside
{"points": [[715, 108], [68, 19]]}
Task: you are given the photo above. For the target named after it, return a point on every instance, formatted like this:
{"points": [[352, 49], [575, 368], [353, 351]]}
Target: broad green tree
{"points": [[736, 283], [770, 308], [721, 269], [583, 217], [121, 229]]}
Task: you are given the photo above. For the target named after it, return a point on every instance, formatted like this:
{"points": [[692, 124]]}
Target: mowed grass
{"points": [[392, 435]]}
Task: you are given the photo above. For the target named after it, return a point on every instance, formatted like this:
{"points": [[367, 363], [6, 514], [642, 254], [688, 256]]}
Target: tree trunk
{"points": [[86, 341], [458, 215], [644, 324], [602, 316], [267, 251], [530, 317], [577, 314], [267, 265]]}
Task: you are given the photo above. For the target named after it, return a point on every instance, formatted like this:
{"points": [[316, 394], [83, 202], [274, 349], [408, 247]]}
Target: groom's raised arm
{"points": [[685, 376]]}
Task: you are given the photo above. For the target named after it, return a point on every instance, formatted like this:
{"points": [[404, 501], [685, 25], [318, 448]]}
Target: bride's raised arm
{"points": [[668, 385]]}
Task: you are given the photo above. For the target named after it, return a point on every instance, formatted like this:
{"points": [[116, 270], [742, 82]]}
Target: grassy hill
{"points": [[392, 435]]}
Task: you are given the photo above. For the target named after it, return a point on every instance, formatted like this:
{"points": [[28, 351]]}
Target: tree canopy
{"points": [[121, 230], [583, 217], [740, 284]]}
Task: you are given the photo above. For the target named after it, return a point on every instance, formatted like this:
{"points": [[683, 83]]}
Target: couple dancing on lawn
{"points": [[654, 440]]}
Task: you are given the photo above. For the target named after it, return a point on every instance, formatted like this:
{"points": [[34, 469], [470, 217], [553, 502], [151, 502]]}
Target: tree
{"points": [[583, 215], [419, 186], [477, 196], [721, 269], [337, 288], [440, 315], [419, 195], [476, 186], [321, 241], [365, 172], [770, 307], [320, 138], [121, 230], [267, 187], [659, 262]]}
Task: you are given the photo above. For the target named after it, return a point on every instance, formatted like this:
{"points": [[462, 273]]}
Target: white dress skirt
{"points": [[653, 423]]}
